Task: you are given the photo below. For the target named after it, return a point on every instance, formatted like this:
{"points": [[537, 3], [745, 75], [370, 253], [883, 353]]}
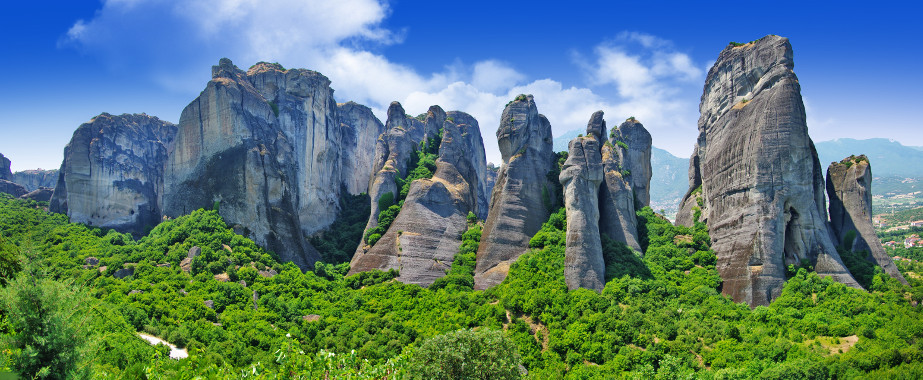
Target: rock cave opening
{"points": [[794, 239]]}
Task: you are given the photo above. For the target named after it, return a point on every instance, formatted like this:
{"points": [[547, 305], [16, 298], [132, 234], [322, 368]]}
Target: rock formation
{"points": [[12, 188], [34, 179], [41, 195], [392, 154], [523, 196], [758, 174], [426, 234], [581, 177], [112, 174], [360, 130], [598, 199], [635, 154], [849, 187], [5, 172], [492, 171], [268, 148]]}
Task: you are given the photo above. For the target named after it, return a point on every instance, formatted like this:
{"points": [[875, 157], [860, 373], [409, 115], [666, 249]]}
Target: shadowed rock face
{"points": [[523, 196], [266, 145], [11, 188], [5, 172], [759, 174], [34, 179], [849, 186], [112, 175], [617, 218], [426, 234], [41, 195], [360, 130], [636, 159]]}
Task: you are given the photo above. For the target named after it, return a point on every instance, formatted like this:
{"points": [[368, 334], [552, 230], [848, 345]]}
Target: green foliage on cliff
{"points": [[660, 316], [338, 242]]}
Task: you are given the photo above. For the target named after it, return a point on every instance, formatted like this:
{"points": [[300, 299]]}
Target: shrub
{"points": [[467, 354]]}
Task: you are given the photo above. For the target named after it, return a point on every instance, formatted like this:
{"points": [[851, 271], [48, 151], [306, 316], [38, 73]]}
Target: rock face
{"points": [[360, 130], [491, 179], [267, 146], [5, 172], [112, 174], [849, 186], [34, 179], [636, 158], [393, 150], [581, 177], [523, 196], [41, 195], [598, 199], [758, 174], [12, 188], [426, 234]]}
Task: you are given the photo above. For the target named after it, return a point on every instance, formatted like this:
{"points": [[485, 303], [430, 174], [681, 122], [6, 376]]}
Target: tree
{"points": [[51, 326], [467, 354]]}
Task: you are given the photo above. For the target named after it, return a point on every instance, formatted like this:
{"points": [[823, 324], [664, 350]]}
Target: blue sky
{"points": [[67, 61]]}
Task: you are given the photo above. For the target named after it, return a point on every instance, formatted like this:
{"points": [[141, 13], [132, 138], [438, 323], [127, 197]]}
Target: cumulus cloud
{"points": [[175, 42]]}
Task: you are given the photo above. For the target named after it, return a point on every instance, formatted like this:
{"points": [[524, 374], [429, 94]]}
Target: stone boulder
{"points": [[849, 187], [113, 172], [35, 179], [360, 130], [759, 175], [523, 196], [426, 234]]}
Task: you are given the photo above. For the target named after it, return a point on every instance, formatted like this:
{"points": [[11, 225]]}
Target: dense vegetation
{"points": [[337, 243], [659, 316]]}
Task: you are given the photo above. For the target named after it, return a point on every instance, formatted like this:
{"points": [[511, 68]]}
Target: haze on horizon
{"points": [[70, 62]]}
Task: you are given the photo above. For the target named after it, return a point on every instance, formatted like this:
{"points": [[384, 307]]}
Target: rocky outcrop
{"points": [[34, 179], [41, 195], [635, 155], [112, 175], [523, 196], [360, 130], [5, 172], [266, 145], [12, 188], [426, 234], [393, 150], [492, 171], [598, 199], [849, 187], [581, 177], [758, 174]]}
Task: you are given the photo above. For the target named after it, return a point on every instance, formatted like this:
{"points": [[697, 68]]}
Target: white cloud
{"points": [[175, 42]]}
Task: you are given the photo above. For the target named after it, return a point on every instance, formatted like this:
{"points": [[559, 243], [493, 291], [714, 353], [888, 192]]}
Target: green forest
{"points": [[240, 313]]}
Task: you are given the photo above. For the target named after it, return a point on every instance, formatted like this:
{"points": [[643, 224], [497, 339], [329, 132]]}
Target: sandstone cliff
{"points": [[266, 146], [12, 188], [849, 186], [112, 174], [523, 196], [759, 174], [5, 172], [34, 179], [360, 130], [635, 155], [426, 234]]}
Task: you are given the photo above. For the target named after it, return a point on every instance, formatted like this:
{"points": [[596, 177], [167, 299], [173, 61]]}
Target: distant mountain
{"points": [[887, 157], [670, 175]]}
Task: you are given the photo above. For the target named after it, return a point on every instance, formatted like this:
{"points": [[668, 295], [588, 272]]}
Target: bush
{"points": [[467, 354]]}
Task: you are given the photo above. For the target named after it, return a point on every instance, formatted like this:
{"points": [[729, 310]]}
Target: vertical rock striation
{"points": [[5, 172], [636, 158], [523, 196], [112, 175], [426, 234], [759, 174], [360, 130], [849, 186], [266, 146]]}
